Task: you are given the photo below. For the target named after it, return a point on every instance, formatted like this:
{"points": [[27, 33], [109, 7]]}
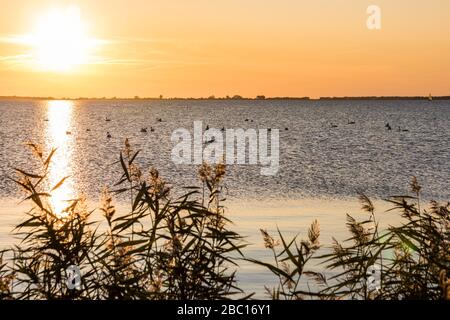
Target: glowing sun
{"points": [[60, 40]]}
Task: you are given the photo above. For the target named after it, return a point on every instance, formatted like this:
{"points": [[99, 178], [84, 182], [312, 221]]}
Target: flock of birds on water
{"points": [[387, 126], [145, 130]]}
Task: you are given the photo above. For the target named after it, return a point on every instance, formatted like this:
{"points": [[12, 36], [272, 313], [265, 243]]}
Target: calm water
{"points": [[316, 160]]}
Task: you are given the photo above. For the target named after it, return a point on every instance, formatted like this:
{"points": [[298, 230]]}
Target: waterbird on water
{"points": [[402, 130], [388, 126], [333, 125], [144, 130], [108, 135], [107, 119], [350, 122], [210, 141]]}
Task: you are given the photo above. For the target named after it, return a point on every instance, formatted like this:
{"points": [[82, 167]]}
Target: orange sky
{"points": [[247, 47]]}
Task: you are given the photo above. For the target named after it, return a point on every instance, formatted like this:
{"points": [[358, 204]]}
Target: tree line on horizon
{"points": [[235, 97]]}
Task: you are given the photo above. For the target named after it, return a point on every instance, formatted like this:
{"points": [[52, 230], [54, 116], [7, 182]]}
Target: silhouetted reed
{"points": [[164, 248], [181, 247], [409, 261]]}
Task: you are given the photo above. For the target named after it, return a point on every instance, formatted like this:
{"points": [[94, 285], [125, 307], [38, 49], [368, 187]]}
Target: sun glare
{"points": [[60, 40], [60, 115]]}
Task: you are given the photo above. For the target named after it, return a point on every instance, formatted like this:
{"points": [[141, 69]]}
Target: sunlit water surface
{"points": [[321, 167]]}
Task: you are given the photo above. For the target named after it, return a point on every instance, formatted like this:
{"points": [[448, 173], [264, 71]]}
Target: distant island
{"points": [[235, 97]]}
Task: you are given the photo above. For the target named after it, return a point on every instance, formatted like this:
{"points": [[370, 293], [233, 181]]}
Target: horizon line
{"points": [[235, 97]]}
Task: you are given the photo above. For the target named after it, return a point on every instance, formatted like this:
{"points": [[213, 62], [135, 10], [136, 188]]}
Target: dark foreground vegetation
{"points": [[169, 247]]}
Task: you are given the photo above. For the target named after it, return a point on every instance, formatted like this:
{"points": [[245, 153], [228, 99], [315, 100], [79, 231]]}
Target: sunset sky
{"points": [[210, 47]]}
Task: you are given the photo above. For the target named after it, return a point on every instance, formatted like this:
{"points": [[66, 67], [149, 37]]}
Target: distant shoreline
{"points": [[235, 98]]}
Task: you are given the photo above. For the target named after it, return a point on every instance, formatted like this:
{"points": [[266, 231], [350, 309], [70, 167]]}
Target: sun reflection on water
{"points": [[58, 135]]}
